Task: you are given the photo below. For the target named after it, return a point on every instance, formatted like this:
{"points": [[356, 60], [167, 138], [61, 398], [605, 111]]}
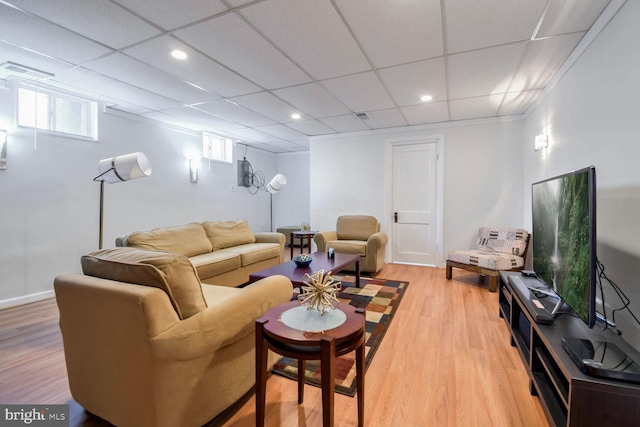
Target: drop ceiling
{"points": [[252, 64]]}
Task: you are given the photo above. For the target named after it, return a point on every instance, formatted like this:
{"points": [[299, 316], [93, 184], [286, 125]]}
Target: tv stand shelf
{"points": [[568, 396]]}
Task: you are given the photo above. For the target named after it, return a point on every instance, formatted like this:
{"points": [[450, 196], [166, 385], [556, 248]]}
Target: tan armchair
{"points": [[147, 345], [356, 234]]}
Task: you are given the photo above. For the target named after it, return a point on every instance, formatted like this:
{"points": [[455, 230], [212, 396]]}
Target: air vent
{"points": [[362, 116], [11, 69]]}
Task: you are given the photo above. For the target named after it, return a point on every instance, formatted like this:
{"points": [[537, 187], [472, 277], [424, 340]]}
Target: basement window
{"points": [[49, 110], [216, 147]]}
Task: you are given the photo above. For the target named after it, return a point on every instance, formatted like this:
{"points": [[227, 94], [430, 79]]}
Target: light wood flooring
{"points": [[446, 360]]}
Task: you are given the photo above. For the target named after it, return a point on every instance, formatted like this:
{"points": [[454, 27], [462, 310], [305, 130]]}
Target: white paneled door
{"points": [[414, 203]]}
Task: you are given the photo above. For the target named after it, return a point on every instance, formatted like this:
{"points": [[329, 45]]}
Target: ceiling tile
{"points": [[541, 60], [268, 105], [407, 83], [208, 121], [385, 119], [347, 123], [102, 21], [483, 72], [235, 44], [35, 34], [475, 108], [394, 32], [518, 102], [196, 69], [311, 33], [477, 24], [234, 112], [360, 92], [311, 127], [247, 134], [106, 88], [313, 99], [176, 121], [171, 14], [282, 131], [125, 68], [31, 59], [430, 112], [570, 16]]}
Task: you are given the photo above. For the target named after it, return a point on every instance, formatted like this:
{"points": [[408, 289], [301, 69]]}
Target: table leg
{"points": [[358, 273], [291, 246], [360, 382], [301, 371], [261, 373], [327, 369]]}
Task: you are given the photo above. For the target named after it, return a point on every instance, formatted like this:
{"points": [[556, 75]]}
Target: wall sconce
{"points": [[3, 149], [541, 141], [193, 170]]}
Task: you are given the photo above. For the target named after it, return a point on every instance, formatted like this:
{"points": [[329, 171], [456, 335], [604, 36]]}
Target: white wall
{"points": [[482, 176], [49, 204], [591, 118]]}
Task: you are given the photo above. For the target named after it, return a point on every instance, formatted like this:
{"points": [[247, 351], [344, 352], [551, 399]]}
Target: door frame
{"points": [[428, 139]]}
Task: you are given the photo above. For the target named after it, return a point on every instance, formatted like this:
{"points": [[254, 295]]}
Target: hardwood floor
{"points": [[445, 361]]}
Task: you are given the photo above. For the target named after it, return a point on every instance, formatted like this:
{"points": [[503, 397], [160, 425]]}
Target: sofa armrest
{"points": [[221, 325], [377, 240], [321, 238], [270, 237]]}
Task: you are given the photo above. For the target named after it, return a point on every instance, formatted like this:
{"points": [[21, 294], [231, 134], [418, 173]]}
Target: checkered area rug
{"points": [[381, 299]]}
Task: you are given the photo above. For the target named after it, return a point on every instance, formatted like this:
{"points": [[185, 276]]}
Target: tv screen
{"points": [[564, 238]]}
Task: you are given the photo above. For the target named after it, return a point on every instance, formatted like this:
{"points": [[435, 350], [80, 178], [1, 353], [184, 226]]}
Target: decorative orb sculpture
{"points": [[319, 291]]}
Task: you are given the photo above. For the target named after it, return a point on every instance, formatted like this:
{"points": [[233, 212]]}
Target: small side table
{"points": [[302, 235], [273, 334]]}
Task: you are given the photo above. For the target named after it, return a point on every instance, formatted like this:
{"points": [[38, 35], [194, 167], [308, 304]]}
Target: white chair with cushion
{"points": [[496, 249]]}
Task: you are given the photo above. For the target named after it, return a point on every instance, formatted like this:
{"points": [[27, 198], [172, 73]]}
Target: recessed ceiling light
{"points": [[295, 116], [179, 54], [426, 98]]}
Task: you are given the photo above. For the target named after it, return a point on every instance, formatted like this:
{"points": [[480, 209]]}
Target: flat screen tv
{"points": [[564, 238]]}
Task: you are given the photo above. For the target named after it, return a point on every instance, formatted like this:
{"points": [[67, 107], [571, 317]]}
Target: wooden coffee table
{"points": [[273, 334], [321, 261]]}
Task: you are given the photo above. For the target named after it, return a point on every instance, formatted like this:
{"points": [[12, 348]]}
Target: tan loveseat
{"points": [[223, 252], [147, 345]]}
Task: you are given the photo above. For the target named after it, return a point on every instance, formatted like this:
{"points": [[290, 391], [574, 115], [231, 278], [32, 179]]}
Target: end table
{"points": [[273, 334]]}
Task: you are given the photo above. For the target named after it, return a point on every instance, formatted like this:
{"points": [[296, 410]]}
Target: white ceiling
{"points": [[252, 64]]}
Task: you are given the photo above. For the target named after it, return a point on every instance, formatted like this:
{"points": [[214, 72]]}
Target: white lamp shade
{"points": [[124, 168], [277, 183]]}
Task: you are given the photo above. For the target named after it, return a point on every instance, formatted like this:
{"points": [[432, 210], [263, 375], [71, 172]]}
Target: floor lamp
{"points": [[118, 169], [276, 184]]}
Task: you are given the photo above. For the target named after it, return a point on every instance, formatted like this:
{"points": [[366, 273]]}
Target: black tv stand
{"points": [[568, 396]]}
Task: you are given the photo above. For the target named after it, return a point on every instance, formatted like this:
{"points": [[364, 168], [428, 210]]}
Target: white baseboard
{"points": [[25, 299]]}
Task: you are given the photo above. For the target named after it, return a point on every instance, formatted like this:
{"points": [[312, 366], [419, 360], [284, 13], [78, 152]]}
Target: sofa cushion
{"points": [[254, 252], [225, 234], [512, 241], [356, 227], [353, 247], [187, 240], [171, 272], [215, 263], [487, 259]]}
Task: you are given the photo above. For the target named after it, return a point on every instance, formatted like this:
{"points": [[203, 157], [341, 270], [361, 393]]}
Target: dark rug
{"points": [[381, 299]]}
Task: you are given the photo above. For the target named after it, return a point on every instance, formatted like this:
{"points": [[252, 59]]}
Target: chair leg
{"points": [[448, 272], [493, 283]]}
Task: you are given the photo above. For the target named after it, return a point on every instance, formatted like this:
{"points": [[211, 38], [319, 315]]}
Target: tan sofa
{"points": [[356, 234], [223, 252], [146, 344]]}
